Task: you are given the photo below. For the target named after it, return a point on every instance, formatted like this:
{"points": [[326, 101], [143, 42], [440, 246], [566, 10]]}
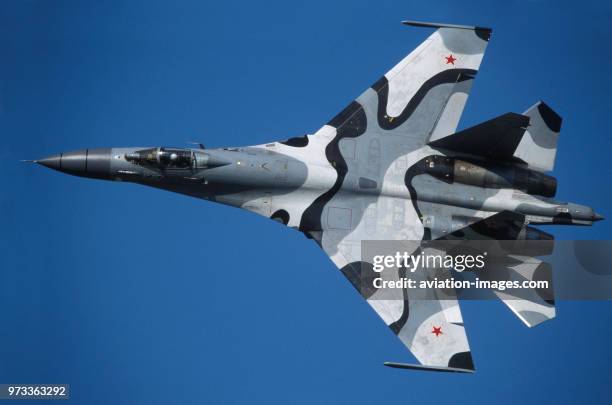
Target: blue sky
{"points": [[135, 295]]}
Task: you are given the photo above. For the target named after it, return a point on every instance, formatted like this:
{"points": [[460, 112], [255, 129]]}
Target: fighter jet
{"points": [[390, 166]]}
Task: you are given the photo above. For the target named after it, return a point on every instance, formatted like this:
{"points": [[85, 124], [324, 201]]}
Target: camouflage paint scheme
{"points": [[390, 166]]}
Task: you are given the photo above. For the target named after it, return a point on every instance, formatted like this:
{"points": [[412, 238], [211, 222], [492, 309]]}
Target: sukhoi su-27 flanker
{"points": [[390, 166]]}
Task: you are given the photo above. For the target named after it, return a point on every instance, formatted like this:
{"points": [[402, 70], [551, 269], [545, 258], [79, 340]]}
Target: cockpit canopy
{"points": [[163, 158]]}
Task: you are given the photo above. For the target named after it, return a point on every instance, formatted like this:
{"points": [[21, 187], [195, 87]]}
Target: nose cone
{"points": [[94, 163], [52, 162], [598, 217]]}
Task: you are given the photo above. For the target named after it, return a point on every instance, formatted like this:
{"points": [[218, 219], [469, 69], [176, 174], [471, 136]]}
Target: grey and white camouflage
{"points": [[390, 166]]}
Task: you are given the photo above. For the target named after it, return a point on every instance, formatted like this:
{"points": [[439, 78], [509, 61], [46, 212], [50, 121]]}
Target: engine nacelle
{"points": [[491, 176]]}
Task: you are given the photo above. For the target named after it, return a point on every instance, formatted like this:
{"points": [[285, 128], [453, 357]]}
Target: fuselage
{"points": [[256, 178]]}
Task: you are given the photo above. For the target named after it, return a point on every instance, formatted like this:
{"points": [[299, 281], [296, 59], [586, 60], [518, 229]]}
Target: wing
{"points": [[423, 96], [415, 322], [370, 145]]}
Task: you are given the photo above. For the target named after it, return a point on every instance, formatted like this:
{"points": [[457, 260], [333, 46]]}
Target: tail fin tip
{"points": [[551, 118]]}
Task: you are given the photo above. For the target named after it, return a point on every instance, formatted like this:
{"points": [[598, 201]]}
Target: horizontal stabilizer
{"points": [[531, 306], [428, 368], [494, 139], [538, 147]]}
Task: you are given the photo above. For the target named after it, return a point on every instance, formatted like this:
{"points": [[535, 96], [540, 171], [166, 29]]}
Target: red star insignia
{"points": [[450, 59], [437, 331]]}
